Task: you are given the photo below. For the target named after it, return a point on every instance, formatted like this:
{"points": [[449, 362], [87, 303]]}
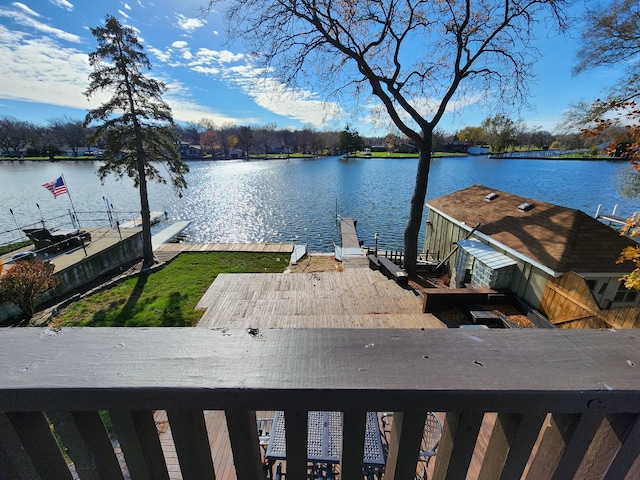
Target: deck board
{"points": [[354, 298]]}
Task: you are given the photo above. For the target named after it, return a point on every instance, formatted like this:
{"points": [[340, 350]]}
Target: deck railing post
{"points": [[404, 444], [243, 436]]}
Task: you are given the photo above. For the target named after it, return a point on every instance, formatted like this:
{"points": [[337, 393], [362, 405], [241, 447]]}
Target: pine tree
{"points": [[135, 124]]}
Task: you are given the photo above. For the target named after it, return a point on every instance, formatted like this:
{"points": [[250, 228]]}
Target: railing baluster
{"points": [[14, 461], [628, 453], [522, 444], [140, 443], [578, 445], [504, 431], [189, 433], [404, 445], [243, 435], [83, 459], [552, 445], [354, 425], [296, 427], [510, 445], [605, 445], [33, 430], [95, 437], [458, 442]]}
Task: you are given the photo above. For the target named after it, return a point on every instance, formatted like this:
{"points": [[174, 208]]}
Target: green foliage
{"points": [[165, 298], [25, 281], [350, 141], [135, 121], [500, 132], [135, 124]]}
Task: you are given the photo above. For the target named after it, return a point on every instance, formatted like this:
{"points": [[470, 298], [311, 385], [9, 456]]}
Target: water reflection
{"points": [[297, 200]]}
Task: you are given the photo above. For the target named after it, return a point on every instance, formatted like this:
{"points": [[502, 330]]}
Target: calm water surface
{"points": [[295, 200]]}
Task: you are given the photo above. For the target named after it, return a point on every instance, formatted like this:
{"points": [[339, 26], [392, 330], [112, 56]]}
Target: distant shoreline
{"points": [[361, 156]]}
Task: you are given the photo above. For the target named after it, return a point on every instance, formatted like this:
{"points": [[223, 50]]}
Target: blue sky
{"points": [[44, 46]]}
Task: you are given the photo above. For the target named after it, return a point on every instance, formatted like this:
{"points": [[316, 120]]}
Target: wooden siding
{"points": [[568, 303], [528, 282], [440, 237]]}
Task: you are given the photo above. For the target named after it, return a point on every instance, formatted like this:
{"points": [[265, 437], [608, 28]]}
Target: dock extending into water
{"points": [[155, 217], [350, 252], [169, 233]]}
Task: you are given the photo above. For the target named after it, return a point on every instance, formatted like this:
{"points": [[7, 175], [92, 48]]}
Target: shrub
{"points": [[25, 281]]}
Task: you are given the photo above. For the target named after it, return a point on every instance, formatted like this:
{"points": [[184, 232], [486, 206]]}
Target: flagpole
{"points": [[75, 214]]}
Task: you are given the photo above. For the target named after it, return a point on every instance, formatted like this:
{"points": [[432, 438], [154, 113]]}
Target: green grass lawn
{"points": [[13, 246], [167, 297]]}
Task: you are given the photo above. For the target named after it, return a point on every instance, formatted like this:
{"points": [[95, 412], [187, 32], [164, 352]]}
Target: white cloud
{"points": [[162, 56], [179, 44], [268, 93], [126, 6], [213, 71], [43, 71], [26, 9], [300, 104], [25, 20], [206, 55], [189, 25], [125, 15], [63, 4]]}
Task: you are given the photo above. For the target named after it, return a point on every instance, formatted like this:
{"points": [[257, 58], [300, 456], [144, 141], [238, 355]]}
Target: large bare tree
{"points": [[416, 56]]}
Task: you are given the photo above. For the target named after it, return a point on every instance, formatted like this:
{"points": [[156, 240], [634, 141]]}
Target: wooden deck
{"points": [[358, 298], [355, 298]]}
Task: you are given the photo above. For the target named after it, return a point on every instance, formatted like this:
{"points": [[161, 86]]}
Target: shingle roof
{"points": [[562, 239]]}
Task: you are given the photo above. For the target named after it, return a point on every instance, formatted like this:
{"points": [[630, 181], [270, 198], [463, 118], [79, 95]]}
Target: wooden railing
{"points": [[564, 404]]}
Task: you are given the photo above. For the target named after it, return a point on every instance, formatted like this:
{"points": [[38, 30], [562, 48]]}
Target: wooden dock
{"points": [[350, 252], [168, 251], [168, 233], [137, 222]]}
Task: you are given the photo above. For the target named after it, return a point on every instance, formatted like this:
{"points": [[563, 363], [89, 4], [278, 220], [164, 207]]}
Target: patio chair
{"points": [[264, 429], [430, 440], [45, 241], [279, 474]]}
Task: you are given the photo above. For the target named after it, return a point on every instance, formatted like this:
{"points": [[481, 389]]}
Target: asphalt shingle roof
{"points": [[563, 239]]}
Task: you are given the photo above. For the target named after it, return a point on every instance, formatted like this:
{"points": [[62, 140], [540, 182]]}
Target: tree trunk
{"points": [[145, 215], [417, 206]]}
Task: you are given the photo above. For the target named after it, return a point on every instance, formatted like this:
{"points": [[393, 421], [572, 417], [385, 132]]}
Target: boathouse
{"points": [[559, 260]]}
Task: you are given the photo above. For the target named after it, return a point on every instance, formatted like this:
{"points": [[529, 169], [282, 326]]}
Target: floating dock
{"points": [[168, 233], [156, 217], [350, 253]]}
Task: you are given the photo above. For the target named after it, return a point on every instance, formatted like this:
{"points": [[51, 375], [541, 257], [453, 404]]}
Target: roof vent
{"points": [[491, 196], [525, 207]]}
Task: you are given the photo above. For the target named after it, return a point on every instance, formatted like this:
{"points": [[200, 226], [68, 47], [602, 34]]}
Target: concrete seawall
{"points": [[108, 250]]}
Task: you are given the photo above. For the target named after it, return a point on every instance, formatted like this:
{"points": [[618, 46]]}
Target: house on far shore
{"points": [[559, 260]]}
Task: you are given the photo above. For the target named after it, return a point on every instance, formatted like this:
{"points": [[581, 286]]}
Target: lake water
{"points": [[295, 200]]}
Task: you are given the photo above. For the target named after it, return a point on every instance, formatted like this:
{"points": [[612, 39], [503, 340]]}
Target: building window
{"points": [[624, 295]]}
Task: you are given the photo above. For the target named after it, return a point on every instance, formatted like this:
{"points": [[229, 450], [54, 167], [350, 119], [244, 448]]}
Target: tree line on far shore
{"points": [[68, 136]]}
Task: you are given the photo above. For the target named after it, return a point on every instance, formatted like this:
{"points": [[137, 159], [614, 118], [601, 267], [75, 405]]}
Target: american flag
{"points": [[57, 187]]}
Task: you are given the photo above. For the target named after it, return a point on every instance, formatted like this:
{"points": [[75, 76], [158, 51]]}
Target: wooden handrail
{"points": [[577, 387]]}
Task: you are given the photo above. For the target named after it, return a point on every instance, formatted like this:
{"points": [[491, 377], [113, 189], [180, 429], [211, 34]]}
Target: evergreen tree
{"points": [[136, 124]]}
